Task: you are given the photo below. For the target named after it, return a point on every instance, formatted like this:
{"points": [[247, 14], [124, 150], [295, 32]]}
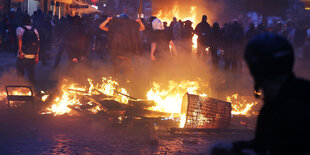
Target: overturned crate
{"points": [[205, 113]]}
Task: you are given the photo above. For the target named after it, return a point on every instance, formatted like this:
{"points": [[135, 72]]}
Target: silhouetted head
{"points": [[174, 19], [251, 26], [216, 26], [204, 18], [269, 56], [152, 18], [27, 20], [39, 10], [165, 24], [188, 23], [123, 16], [76, 21]]}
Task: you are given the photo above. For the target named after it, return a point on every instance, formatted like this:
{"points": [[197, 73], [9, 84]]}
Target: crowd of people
{"points": [[82, 37], [270, 57]]}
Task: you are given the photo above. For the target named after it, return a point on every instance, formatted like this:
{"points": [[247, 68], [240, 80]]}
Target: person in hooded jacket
{"points": [[282, 124]]}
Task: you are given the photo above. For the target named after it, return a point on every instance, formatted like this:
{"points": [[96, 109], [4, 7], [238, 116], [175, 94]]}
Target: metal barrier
{"points": [[19, 97]]}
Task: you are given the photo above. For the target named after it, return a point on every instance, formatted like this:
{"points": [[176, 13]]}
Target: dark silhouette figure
{"points": [[216, 36], [28, 49], [251, 32], [282, 125], [203, 31], [77, 42], [187, 36]]}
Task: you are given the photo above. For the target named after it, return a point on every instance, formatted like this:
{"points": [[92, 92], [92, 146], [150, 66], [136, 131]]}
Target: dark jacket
{"points": [[77, 42], [203, 31], [124, 38], [283, 124]]}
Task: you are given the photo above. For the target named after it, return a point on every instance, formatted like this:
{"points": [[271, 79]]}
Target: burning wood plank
{"points": [[125, 95], [104, 109], [140, 112], [142, 104]]}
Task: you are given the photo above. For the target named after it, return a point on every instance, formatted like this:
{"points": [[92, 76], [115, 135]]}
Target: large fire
{"points": [[169, 98], [176, 12], [72, 93], [191, 15]]}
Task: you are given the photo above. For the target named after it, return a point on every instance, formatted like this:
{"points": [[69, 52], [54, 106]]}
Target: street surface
{"points": [[23, 133]]}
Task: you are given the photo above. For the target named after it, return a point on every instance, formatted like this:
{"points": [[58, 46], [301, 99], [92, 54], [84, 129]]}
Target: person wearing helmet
{"points": [[282, 125]]}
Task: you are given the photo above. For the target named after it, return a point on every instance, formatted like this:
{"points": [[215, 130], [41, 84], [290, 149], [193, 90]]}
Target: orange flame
{"points": [[176, 12], [240, 106], [71, 94], [17, 92], [169, 99]]}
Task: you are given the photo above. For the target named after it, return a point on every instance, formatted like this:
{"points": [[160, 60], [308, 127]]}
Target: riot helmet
{"points": [[269, 55]]}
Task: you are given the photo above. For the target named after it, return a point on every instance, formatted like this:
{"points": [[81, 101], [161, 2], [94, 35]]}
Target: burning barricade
{"points": [[181, 103]]}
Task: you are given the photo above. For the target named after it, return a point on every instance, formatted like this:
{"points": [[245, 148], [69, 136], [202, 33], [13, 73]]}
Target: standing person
{"points": [[101, 39], [174, 21], [77, 42], [161, 39], [28, 49], [227, 45], [237, 43], [124, 42], [299, 39], [61, 30], [261, 28], [187, 36], [216, 36], [12, 26], [251, 32], [202, 30], [44, 26], [177, 30], [281, 125], [278, 28]]}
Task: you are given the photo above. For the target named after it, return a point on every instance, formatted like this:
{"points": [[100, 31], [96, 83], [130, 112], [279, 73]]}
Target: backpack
{"points": [[30, 41]]}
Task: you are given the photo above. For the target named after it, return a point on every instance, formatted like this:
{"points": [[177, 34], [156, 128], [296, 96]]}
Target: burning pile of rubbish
{"points": [[182, 102]]}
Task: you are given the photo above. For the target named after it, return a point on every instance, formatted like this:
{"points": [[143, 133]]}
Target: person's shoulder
{"points": [[20, 29], [299, 88], [302, 83]]}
